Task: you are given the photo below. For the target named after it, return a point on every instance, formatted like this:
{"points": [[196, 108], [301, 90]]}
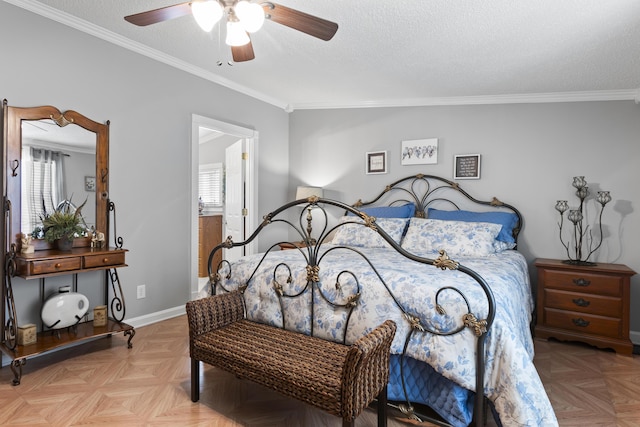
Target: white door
{"points": [[249, 180], [234, 203]]}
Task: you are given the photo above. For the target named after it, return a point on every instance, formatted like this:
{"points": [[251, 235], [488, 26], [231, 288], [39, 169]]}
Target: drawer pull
{"points": [[581, 302], [105, 260], [58, 265], [580, 322], [582, 282]]}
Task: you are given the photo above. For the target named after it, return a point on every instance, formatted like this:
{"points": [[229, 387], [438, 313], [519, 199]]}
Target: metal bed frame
{"points": [[422, 190]]}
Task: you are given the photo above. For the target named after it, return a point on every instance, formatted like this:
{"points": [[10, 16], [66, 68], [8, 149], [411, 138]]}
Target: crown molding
{"points": [[525, 98], [533, 98], [109, 36]]}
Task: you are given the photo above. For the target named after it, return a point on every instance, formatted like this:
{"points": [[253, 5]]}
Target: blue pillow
{"points": [[508, 220], [404, 211]]}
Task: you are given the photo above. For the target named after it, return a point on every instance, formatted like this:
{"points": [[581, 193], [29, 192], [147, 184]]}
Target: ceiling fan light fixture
{"points": [[206, 13], [250, 15], [248, 18], [236, 34]]}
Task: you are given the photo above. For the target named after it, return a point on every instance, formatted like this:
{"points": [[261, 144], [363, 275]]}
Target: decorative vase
{"points": [[64, 243], [64, 309], [200, 205]]}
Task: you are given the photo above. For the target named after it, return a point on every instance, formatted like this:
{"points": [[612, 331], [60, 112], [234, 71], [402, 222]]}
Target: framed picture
{"points": [[420, 151], [89, 183], [466, 166], [376, 162]]}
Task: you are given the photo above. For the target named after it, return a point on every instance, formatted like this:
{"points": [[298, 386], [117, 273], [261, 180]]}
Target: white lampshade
{"points": [[206, 13], [251, 15], [236, 35], [303, 192]]}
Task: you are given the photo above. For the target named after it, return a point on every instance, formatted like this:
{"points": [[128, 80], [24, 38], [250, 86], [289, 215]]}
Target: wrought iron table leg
{"points": [[117, 302], [131, 333], [10, 333], [16, 368]]}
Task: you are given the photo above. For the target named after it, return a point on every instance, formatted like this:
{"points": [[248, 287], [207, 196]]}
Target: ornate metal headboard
{"points": [[426, 191]]}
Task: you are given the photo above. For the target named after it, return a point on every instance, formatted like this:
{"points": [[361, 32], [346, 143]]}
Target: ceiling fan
{"points": [[242, 17]]}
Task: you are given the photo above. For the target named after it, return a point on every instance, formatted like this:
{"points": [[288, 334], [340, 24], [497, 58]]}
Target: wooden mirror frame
{"points": [[13, 117]]}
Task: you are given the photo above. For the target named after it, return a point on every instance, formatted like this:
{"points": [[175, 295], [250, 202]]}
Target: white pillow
{"points": [[425, 237], [360, 235]]}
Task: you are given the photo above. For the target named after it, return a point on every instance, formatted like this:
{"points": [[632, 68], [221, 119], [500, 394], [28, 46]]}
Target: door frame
{"points": [[251, 179]]}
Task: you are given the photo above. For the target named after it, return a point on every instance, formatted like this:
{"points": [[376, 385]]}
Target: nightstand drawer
{"points": [[584, 282], [100, 260], [583, 303], [583, 323]]}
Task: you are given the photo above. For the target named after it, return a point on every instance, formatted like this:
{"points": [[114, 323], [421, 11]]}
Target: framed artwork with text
{"points": [[466, 166], [376, 162]]}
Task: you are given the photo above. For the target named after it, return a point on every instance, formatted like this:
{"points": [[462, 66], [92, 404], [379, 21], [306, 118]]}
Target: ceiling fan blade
{"points": [[242, 53], [312, 25], [159, 15]]}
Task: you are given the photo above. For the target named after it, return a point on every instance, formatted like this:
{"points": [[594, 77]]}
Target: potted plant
{"points": [[62, 226]]}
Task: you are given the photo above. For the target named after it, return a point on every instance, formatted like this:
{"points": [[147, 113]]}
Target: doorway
{"points": [[248, 187]]}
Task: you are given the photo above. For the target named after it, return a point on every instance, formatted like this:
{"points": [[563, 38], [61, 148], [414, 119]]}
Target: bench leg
{"points": [[195, 380], [382, 411], [382, 408]]}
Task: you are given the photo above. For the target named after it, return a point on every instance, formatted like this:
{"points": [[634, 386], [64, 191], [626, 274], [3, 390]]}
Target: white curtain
{"points": [[43, 186]]}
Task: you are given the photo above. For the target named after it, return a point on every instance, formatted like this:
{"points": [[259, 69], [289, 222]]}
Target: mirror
{"points": [[48, 152], [78, 145]]}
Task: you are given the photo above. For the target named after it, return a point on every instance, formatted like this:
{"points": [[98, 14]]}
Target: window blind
{"points": [[211, 185]]}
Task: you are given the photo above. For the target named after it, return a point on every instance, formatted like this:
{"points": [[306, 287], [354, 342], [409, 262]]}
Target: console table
{"points": [[48, 263], [87, 254]]}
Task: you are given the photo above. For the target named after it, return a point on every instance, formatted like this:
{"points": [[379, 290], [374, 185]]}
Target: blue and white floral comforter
{"points": [[511, 380]]}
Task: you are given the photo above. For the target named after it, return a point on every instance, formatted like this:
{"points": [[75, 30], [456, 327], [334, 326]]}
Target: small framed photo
{"points": [[466, 166], [376, 162], [89, 183], [420, 151]]}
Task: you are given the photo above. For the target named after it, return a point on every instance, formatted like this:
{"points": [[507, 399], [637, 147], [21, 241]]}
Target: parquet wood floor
{"points": [[104, 383]]}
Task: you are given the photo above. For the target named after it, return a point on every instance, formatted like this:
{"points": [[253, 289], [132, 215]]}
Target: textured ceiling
{"points": [[407, 52]]}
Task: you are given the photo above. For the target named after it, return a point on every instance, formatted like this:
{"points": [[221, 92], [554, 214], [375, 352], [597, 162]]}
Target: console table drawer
{"points": [[584, 282], [584, 303], [45, 263], [54, 265], [581, 322], [101, 260]]}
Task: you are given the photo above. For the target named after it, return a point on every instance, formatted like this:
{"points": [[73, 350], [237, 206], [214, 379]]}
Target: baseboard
{"points": [[635, 339], [158, 316]]}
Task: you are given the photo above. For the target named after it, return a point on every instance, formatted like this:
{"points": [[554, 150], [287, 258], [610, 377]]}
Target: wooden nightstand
{"points": [[292, 245], [584, 303]]}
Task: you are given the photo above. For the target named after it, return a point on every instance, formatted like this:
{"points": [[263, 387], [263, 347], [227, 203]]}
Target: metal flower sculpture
{"points": [[583, 241]]}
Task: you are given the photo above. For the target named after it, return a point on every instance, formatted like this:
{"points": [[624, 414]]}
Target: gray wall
{"points": [[214, 151], [530, 152], [149, 105]]}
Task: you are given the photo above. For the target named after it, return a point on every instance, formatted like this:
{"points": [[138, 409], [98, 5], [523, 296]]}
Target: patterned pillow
{"points": [[359, 235], [500, 246], [507, 220], [425, 237]]}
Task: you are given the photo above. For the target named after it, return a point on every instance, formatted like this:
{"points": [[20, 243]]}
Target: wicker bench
{"points": [[342, 380]]}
